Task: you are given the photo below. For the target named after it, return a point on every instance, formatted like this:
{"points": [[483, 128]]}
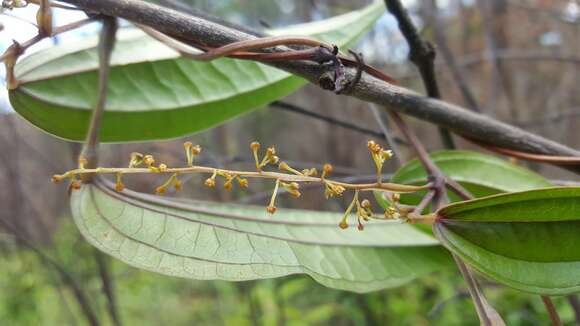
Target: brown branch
{"points": [[449, 58], [422, 54], [382, 119]]}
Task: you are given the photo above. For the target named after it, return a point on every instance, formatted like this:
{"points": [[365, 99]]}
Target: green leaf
{"points": [[154, 94], [527, 240], [482, 175], [202, 240]]}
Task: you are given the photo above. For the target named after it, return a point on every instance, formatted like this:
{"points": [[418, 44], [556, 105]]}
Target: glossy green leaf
{"points": [[202, 240], [527, 240], [154, 94], [482, 175]]}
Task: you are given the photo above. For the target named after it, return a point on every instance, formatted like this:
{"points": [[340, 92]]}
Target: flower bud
{"points": [[255, 146], [271, 209], [209, 182], [196, 150]]}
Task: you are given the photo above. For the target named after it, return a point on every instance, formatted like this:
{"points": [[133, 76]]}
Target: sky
{"points": [[20, 29]]}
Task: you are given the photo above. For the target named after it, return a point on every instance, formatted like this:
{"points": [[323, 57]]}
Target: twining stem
{"points": [[553, 159], [392, 187], [22, 47], [240, 50], [54, 5]]}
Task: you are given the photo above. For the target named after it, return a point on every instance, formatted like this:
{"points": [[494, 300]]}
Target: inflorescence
{"points": [[287, 178]]}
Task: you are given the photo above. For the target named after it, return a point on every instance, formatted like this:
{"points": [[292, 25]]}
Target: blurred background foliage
{"points": [[531, 80]]}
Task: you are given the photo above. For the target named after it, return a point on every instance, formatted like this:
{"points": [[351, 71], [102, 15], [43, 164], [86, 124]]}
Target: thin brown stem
{"points": [[54, 5], [575, 304], [319, 51], [458, 189], [425, 201], [381, 116], [22, 47], [552, 312], [108, 286], [336, 122], [440, 196], [487, 314], [449, 58], [560, 160]]}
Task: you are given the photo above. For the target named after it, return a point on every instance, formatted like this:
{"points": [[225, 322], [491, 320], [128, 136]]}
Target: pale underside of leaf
{"points": [[208, 241]]}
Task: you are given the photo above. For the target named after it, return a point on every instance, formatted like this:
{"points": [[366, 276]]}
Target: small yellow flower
{"points": [[255, 146], [177, 184], [209, 182], [119, 186], [271, 209], [135, 160], [242, 182], [196, 150], [149, 160], [75, 185]]}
